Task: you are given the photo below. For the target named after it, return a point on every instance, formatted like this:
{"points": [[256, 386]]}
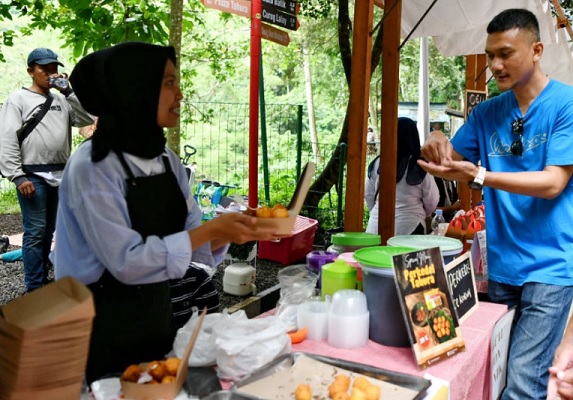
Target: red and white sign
{"points": [[238, 7]]}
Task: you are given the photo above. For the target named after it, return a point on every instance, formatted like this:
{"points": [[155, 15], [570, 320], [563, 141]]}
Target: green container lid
{"points": [[448, 245], [379, 257], [338, 268], [356, 239]]}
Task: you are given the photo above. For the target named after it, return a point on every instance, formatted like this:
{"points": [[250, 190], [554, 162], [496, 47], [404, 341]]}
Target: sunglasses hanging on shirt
{"points": [[517, 145]]}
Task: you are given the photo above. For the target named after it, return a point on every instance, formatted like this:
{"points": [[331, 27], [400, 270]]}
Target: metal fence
{"points": [[220, 133]]}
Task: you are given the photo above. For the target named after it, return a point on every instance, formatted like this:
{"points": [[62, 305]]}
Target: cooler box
{"points": [[293, 248]]}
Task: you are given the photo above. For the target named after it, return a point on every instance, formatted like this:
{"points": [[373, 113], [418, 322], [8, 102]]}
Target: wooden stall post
{"points": [[358, 115], [476, 65], [389, 118]]}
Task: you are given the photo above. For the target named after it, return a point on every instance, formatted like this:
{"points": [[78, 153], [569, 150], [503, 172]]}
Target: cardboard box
{"points": [[284, 226], [167, 391], [44, 342]]}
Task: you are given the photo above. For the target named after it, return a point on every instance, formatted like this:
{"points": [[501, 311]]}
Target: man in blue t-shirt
{"points": [[519, 147]]}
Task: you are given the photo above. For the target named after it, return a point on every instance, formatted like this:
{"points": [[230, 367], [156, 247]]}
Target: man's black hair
{"points": [[514, 18]]}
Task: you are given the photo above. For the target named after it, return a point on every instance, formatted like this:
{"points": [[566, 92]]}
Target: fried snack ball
{"points": [[264, 212], [279, 211], [168, 379], [303, 392], [344, 380], [372, 392], [357, 394], [157, 370], [132, 373], [341, 396], [336, 387], [152, 382], [172, 365], [361, 383]]}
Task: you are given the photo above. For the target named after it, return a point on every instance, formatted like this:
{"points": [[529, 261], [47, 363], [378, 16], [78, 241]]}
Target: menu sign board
{"points": [[473, 98], [427, 306], [462, 284]]}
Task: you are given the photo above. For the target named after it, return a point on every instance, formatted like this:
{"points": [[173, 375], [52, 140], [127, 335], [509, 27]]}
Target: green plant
{"points": [[9, 202]]}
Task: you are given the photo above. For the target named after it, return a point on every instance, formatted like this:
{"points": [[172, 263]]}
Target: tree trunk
{"points": [[175, 32], [329, 175], [310, 104]]}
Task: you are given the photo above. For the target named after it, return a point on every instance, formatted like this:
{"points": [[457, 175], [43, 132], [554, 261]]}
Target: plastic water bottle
{"points": [[436, 221]]}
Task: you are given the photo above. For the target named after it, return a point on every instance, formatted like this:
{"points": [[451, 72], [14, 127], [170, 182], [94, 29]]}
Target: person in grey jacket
{"points": [[36, 165]]}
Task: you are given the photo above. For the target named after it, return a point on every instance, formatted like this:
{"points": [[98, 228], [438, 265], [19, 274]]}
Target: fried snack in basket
{"points": [[172, 365], [277, 211], [157, 370], [132, 373], [161, 371]]}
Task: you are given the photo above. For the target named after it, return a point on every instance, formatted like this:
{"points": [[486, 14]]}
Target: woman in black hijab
{"points": [[127, 223], [416, 192]]}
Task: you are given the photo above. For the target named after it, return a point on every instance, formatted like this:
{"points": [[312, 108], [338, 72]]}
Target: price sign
{"points": [[473, 98], [462, 285]]}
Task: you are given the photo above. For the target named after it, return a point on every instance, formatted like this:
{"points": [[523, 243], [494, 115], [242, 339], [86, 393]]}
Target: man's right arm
{"points": [[10, 155]]}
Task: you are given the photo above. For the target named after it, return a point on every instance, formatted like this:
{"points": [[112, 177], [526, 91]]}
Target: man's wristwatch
{"points": [[477, 182]]}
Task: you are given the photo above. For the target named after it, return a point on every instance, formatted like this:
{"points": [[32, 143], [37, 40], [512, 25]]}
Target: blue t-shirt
{"points": [[529, 239]]}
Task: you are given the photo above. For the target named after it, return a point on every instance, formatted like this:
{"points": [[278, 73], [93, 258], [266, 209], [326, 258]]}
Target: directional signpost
{"points": [[281, 13], [277, 12]]}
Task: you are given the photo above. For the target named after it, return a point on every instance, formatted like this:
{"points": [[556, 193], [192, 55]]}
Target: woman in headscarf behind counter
{"points": [[127, 223], [416, 192]]}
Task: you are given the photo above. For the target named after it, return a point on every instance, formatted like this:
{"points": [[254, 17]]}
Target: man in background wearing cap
{"points": [[36, 165]]}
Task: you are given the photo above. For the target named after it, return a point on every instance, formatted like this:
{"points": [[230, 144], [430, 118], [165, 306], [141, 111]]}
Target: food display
{"points": [[419, 314], [442, 324], [303, 376], [156, 372]]}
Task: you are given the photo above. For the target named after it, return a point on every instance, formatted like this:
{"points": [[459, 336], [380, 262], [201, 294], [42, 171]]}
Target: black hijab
{"points": [[408, 153], [121, 86]]}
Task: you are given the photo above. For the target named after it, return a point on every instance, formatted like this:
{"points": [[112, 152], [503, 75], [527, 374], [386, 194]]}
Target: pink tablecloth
{"points": [[468, 372]]}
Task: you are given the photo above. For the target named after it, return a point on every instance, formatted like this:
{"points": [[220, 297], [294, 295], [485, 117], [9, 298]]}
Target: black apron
{"points": [[134, 323]]}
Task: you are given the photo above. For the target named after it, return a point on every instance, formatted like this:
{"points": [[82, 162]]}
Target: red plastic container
{"points": [[294, 248]]}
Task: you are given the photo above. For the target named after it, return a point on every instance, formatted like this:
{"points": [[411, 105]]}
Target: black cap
{"points": [[43, 56]]}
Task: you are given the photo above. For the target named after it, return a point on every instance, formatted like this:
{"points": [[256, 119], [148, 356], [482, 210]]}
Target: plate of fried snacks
{"points": [[302, 376]]}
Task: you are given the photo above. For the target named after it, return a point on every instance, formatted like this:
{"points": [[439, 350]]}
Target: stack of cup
{"points": [[348, 320], [313, 314]]}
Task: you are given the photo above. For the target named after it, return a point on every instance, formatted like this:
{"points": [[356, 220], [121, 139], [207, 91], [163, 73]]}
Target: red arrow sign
{"points": [[275, 35], [239, 7]]}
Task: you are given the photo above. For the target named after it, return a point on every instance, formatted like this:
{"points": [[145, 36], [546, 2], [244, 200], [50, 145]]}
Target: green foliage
{"points": [[447, 81], [9, 200]]}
